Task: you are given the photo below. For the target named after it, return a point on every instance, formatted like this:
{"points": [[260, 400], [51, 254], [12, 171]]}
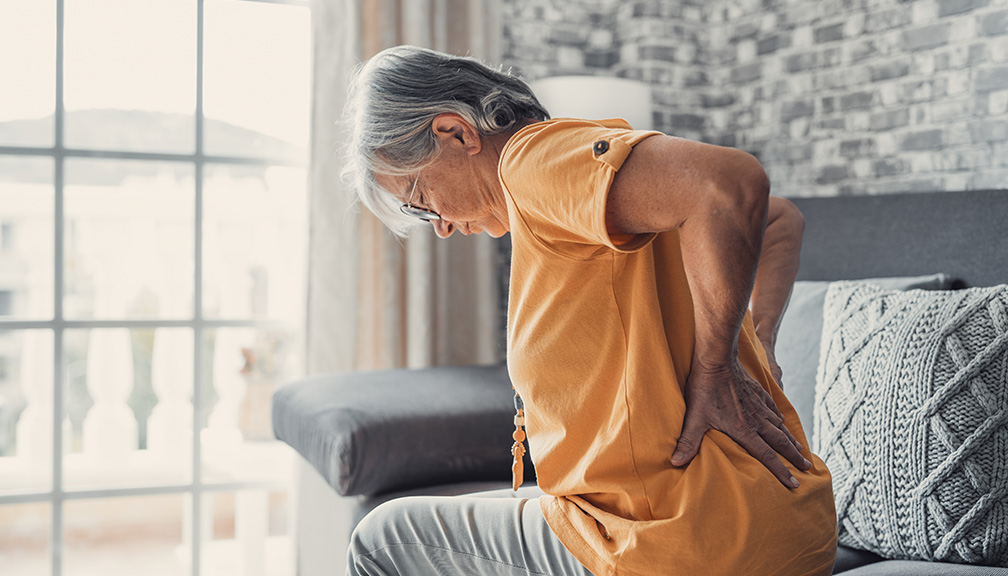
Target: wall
{"points": [[833, 96]]}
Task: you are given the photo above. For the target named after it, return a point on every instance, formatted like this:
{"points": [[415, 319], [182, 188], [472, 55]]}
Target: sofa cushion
{"points": [[851, 558], [911, 405], [797, 349], [369, 433], [921, 568]]}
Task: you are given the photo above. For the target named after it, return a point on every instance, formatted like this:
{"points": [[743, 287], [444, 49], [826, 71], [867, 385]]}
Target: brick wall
{"points": [[833, 96]]}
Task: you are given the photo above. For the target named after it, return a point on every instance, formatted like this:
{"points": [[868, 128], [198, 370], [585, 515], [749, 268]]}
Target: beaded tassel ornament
{"points": [[518, 448]]}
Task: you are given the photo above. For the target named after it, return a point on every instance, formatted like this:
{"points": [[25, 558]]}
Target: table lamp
{"points": [[596, 98]]}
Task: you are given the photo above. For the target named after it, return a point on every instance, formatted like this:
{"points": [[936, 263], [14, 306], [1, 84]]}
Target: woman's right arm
{"points": [[717, 198]]}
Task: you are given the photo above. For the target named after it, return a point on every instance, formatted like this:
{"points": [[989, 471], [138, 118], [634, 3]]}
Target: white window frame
{"points": [[58, 325]]}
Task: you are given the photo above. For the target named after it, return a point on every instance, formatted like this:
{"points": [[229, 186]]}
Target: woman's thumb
{"points": [[689, 441]]}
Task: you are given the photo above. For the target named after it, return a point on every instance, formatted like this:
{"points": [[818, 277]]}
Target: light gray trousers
{"points": [[459, 535]]}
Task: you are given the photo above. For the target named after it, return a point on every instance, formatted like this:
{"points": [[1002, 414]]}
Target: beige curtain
{"points": [[375, 301]]}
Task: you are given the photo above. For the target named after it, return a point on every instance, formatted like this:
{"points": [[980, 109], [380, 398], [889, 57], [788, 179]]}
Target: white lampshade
{"points": [[596, 98]]}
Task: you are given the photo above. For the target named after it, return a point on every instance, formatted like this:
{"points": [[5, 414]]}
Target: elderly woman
{"points": [[660, 434]]}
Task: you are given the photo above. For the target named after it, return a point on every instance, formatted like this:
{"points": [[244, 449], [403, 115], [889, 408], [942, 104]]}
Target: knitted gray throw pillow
{"points": [[910, 418]]}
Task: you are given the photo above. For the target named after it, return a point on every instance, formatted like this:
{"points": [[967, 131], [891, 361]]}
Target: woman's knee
{"points": [[370, 532], [387, 530]]}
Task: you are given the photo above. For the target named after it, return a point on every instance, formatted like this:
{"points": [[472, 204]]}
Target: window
{"points": [[153, 203]]}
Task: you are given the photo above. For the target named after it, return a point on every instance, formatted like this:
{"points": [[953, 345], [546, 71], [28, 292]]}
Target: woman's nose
{"points": [[443, 228]]}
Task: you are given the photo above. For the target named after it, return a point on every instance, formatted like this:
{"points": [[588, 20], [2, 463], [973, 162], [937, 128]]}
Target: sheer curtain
{"points": [[376, 301]]}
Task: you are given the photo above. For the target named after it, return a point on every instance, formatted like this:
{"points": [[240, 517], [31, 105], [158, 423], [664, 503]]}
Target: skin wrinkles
{"points": [[461, 183]]}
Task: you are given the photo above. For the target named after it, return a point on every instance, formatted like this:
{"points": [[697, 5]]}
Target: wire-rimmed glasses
{"points": [[417, 212]]}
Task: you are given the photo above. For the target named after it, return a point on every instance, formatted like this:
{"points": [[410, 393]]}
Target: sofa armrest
{"points": [[369, 433]]}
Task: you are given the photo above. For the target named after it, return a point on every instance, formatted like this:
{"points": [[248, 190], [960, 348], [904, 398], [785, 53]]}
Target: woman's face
{"points": [[461, 187]]}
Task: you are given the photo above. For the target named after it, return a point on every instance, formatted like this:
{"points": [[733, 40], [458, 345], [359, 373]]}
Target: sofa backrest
{"points": [[962, 234]]}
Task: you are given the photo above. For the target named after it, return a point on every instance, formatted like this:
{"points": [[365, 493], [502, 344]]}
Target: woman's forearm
{"points": [[778, 268], [721, 247]]}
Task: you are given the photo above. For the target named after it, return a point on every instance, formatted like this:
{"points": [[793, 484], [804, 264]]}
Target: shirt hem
{"points": [[572, 540]]}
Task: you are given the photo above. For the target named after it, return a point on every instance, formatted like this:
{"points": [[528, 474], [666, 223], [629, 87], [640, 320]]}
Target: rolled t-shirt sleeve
{"points": [[557, 176]]}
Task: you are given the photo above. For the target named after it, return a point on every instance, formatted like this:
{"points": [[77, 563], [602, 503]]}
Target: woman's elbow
{"points": [[756, 181], [783, 214], [749, 187]]}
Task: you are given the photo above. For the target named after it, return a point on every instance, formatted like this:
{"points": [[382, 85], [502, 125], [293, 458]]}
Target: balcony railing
{"points": [[111, 462]]}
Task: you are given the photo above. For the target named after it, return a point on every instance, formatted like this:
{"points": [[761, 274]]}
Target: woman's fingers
{"points": [[729, 400], [779, 423], [767, 452]]}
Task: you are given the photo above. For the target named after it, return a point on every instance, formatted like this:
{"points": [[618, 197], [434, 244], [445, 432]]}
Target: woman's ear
{"points": [[452, 129]]}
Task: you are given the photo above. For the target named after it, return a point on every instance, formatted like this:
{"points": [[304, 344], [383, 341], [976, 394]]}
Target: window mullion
{"points": [[197, 400], [57, 539]]}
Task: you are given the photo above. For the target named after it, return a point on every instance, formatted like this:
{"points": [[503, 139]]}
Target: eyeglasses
{"points": [[417, 212]]}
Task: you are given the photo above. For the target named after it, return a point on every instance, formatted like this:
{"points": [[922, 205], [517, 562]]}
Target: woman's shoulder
{"points": [[559, 127], [559, 143]]}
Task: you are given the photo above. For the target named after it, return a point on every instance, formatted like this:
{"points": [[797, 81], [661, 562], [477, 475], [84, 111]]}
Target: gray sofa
{"points": [[369, 437]]}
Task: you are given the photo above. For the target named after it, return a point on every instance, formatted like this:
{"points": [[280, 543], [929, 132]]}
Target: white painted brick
{"points": [[825, 151], [944, 111], [958, 82], [890, 42], [825, 191], [768, 111], [800, 84], [718, 36], [745, 96], [862, 168], [855, 25], [991, 178], [568, 57], [998, 102], [746, 51], [963, 29], [768, 23], [860, 120], [921, 162], [997, 49], [718, 119], [802, 37], [889, 94], [957, 181], [886, 144], [923, 63], [773, 68], [999, 155], [798, 128], [551, 13], [764, 132], [958, 134], [629, 53], [600, 38], [686, 52], [925, 12]]}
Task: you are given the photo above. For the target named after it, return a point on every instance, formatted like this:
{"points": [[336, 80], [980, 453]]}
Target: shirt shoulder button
{"points": [[600, 147]]}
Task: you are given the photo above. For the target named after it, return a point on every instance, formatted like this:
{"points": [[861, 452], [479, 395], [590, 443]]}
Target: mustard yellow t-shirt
{"points": [[600, 338]]}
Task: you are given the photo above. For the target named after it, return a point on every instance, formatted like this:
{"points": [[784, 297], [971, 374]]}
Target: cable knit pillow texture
{"points": [[798, 340], [910, 418]]}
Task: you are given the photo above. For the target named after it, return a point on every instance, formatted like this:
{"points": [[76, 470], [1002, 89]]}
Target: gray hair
{"points": [[392, 102]]}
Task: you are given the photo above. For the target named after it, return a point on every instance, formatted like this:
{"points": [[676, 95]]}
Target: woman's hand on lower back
{"points": [[729, 400]]}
